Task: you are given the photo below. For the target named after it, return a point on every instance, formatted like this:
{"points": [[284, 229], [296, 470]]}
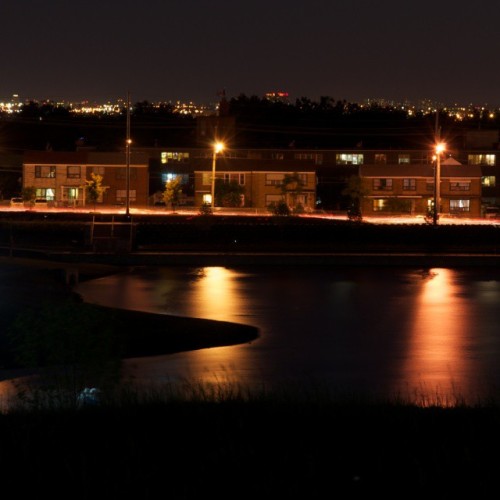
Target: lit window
{"points": [[168, 176], [173, 156], [459, 206], [380, 205], [482, 159], [349, 159], [488, 181], [403, 159], [47, 194]]}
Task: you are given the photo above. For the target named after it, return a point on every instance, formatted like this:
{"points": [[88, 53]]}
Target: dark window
{"points": [[382, 184], [409, 184], [73, 172], [45, 171]]}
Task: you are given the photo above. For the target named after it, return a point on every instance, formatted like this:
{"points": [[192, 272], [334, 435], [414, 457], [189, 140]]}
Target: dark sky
{"points": [[443, 50]]}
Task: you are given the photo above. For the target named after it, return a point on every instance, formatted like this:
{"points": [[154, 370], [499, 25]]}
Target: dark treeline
{"points": [[50, 126], [259, 123]]}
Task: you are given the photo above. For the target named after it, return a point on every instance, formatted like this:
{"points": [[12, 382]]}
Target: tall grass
{"points": [[190, 439], [30, 395]]}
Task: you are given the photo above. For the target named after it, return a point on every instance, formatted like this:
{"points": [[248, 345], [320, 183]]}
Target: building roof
{"points": [[255, 165], [404, 171], [472, 171], [84, 158], [450, 161]]}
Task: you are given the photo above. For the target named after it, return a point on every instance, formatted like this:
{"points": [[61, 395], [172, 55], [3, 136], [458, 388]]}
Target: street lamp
{"points": [[128, 142], [437, 182], [218, 147]]}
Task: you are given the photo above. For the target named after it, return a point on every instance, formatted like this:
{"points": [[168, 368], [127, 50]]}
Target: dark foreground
{"points": [[227, 442], [271, 446]]}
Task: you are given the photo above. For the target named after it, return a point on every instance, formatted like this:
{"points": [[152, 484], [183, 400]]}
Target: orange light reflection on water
{"points": [[216, 295], [437, 369]]}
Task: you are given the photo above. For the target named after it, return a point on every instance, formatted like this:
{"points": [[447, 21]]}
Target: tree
{"points": [[228, 194], [173, 191], [291, 187], [355, 191], [279, 208], [94, 188], [29, 194]]}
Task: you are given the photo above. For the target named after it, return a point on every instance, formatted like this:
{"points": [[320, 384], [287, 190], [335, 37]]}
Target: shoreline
{"points": [[95, 264], [28, 282]]}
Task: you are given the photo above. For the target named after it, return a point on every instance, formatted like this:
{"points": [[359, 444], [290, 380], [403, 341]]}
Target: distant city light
{"points": [[15, 104]]}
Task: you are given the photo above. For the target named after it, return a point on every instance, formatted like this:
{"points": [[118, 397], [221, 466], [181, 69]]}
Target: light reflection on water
{"points": [[439, 336], [426, 335]]}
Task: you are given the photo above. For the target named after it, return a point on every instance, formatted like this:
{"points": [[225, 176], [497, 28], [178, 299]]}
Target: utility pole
{"points": [[214, 161], [437, 172], [127, 154]]}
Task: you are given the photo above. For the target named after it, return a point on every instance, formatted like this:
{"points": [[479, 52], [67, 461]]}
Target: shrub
{"points": [[280, 208]]}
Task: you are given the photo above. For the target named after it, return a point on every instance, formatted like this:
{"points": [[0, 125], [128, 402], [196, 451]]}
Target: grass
{"points": [[194, 440]]}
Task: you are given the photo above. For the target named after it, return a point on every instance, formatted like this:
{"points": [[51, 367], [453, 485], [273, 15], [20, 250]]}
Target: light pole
{"points": [[437, 183], [218, 147], [127, 154]]}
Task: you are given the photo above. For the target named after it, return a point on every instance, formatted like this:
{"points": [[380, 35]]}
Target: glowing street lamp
{"points": [[128, 142], [218, 147], [440, 147]]}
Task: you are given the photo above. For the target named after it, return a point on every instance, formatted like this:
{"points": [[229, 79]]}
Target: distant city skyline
{"points": [[422, 104], [187, 50]]}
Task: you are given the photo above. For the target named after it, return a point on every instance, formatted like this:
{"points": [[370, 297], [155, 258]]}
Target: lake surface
{"points": [[427, 335]]}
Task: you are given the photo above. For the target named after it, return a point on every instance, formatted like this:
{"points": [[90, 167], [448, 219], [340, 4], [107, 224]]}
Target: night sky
{"points": [[445, 51]]}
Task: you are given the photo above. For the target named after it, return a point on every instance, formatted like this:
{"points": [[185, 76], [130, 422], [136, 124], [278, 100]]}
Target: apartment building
{"points": [[410, 189], [59, 177], [330, 168], [260, 180]]}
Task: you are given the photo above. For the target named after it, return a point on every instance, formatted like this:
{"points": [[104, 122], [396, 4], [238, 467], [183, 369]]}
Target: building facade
{"points": [[410, 189], [258, 171], [262, 182], [60, 177]]}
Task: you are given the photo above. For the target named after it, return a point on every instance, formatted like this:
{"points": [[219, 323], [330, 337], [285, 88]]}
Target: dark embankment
{"points": [[83, 232], [36, 284], [146, 334]]}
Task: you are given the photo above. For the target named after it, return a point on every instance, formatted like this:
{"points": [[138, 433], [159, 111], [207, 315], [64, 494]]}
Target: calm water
{"points": [[424, 334]]}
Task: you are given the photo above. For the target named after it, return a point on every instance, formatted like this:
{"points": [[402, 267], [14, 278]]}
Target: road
{"points": [[386, 219]]}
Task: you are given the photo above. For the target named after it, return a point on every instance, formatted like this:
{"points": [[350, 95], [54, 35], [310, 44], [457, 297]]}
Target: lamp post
{"points": [[437, 183], [218, 147], [127, 154]]}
